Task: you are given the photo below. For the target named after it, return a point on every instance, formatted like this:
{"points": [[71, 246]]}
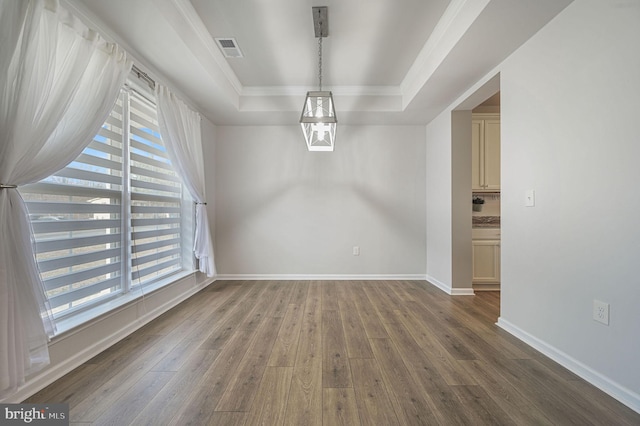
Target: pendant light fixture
{"points": [[318, 119]]}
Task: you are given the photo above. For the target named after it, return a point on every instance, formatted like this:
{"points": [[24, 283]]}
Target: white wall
{"points": [[570, 100], [449, 262], [438, 186], [570, 108], [281, 210]]}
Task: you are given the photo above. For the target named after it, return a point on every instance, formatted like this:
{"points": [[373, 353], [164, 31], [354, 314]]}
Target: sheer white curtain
{"points": [[181, 134], [58, 82]]}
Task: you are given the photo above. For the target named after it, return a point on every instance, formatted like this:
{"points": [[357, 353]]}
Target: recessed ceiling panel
{"points": [[370, 43], [386, 61]]}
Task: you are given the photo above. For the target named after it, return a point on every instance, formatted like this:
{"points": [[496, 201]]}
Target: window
{"points": [[115, 220]]}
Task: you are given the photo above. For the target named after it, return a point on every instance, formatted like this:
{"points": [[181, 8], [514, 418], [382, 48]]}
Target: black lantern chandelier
{"points": [[318, 119]]}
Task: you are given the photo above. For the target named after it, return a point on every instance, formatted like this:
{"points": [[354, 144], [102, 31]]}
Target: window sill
{"points": [[84, 319]]}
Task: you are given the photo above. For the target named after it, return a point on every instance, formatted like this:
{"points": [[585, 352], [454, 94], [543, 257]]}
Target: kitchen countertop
{"points": [[485, 222]]}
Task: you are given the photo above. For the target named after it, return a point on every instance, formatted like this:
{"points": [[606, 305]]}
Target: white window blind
{"points": [[113, 220], [156, 194]]}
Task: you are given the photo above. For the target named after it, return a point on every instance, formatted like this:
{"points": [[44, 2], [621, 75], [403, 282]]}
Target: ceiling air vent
{"points": [[229, 47]]}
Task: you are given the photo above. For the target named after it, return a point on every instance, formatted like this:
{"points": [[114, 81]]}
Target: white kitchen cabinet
{"points": [[486, 264], [485, 152]]}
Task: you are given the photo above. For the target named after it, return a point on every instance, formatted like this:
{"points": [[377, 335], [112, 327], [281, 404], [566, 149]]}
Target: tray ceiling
{"points": [[386, 61]]}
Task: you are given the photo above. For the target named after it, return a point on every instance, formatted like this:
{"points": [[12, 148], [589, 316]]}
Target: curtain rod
{"points": [[143, 75]]}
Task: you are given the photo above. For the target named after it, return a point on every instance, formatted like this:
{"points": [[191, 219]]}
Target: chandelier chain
{"points": [[320, 62]]}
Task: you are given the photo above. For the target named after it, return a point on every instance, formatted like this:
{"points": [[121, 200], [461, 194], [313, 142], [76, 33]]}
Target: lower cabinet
{"points": [[486, 264]]}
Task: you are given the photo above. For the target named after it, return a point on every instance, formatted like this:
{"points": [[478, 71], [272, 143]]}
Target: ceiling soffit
{"points": [[175, 40], [455, 19]]}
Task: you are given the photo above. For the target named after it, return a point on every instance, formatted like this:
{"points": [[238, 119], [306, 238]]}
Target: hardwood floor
{"points": [[329, 353]]}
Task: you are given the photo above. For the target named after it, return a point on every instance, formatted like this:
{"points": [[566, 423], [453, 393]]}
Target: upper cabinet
{"points": [[485, 151]]}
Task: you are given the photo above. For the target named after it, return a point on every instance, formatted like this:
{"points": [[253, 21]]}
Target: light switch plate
{"points": [[530, 198]]}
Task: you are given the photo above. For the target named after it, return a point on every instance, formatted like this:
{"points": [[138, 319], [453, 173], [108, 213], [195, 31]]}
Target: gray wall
{"points": [[438, 217], [448, 220], [281, 210], [570, 102], [570, 108]]}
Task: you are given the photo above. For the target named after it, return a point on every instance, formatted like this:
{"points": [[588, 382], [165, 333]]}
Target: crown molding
{"points": [[454, 23], [336, 90]]}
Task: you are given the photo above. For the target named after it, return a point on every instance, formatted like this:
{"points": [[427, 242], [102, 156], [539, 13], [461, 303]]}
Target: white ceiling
{"points": [[386, 61]]}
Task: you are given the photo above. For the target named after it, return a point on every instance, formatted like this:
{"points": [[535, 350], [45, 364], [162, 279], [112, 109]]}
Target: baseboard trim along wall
{"points": [[328, 277], [622, 394], [321, 277], [449, 290], [76, 347]]}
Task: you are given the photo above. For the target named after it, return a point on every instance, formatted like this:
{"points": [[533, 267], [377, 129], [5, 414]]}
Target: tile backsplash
{"points": [[491, 206]]}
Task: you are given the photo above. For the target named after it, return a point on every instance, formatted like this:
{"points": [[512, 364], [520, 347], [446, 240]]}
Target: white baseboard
{"points": [[85, 353], [448, 289], [615, 390], [320, 277]]}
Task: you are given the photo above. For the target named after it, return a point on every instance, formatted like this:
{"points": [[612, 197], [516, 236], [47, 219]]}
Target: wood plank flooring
{"points": [[329, 353]]}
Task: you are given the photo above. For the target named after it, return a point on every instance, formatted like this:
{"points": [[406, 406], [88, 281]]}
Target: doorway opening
{"points": [[485, 187], [476, 140]]}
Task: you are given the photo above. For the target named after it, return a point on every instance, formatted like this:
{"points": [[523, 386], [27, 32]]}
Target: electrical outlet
{"points": [[601, 312], [356, 250]]}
